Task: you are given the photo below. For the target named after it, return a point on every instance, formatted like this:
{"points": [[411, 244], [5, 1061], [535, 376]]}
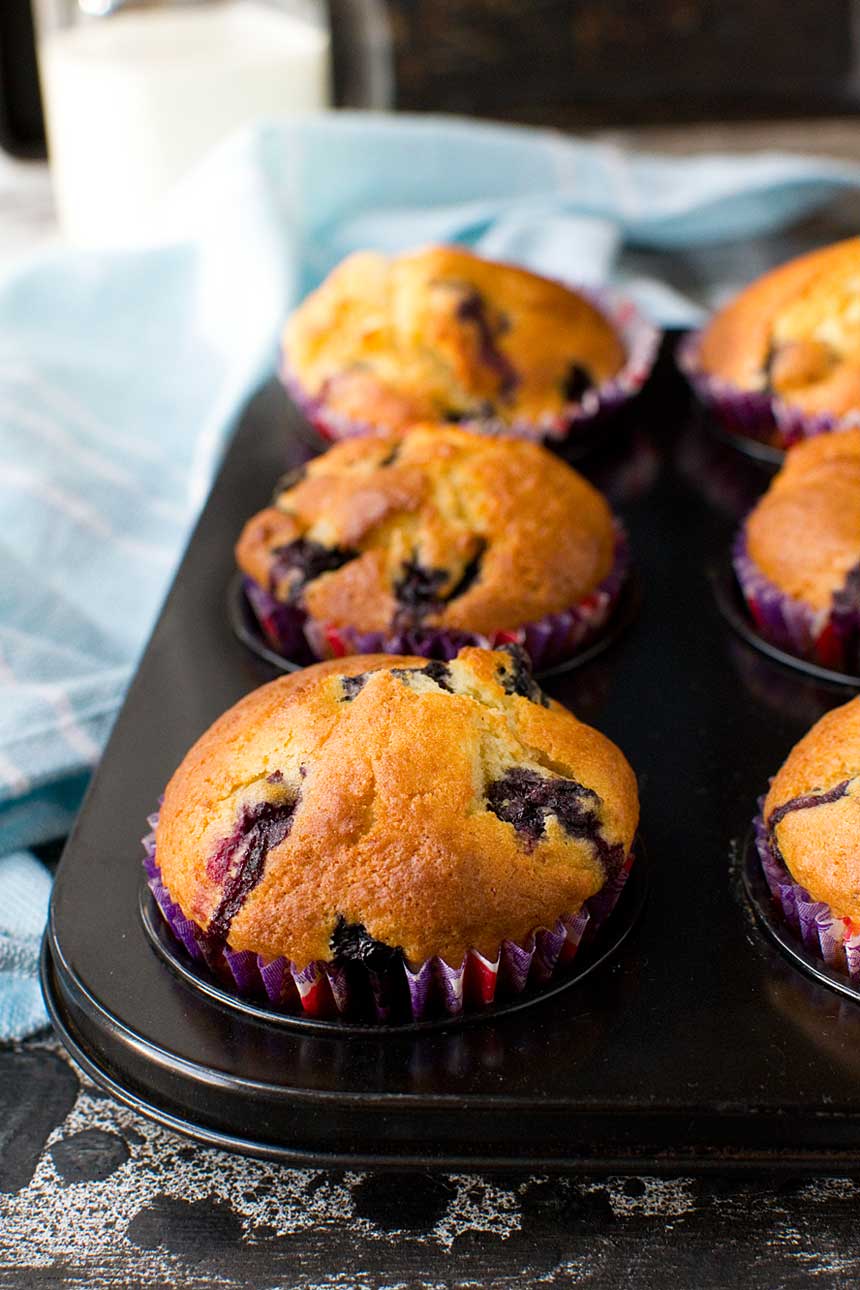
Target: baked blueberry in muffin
{"points": [[441, 335], [783, 358], [809, 838], [798, 555], [379, 829], [436, 538]]}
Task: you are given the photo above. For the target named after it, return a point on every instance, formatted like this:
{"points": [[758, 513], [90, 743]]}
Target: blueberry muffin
{"points": [[798, 555], [791, 341], [809, 837], [441, 335], [385, 814], [423, 540]]}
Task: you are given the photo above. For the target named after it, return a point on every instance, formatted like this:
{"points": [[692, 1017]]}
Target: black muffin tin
{"points": [[699, 1042]]}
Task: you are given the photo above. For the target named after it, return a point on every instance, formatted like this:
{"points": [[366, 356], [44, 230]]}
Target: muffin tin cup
{"points": [[757, 421], [329, 991], [641, 341], [549, 641], [827, 639], [833, 940]]}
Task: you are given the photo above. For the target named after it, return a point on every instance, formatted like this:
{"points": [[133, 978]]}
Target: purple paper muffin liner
{"points": [[641, 341], [830, 638], [785, 622], [325, 990], [825, 934], [755, 414], [548, 641]]}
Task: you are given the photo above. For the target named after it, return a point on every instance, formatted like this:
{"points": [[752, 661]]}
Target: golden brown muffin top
{"points": [[814, 801], [443, 335], [439, 806], [438, 527], [804, 534], [795, 332]]}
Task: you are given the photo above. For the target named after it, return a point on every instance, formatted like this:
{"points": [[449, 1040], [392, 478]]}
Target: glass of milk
{"points": [[136, 91]]}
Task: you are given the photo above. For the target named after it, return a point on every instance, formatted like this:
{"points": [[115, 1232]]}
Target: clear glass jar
{"points": [[136, 91]]}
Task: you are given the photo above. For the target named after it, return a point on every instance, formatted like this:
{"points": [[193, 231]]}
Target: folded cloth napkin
{"points": [[121, 374]]}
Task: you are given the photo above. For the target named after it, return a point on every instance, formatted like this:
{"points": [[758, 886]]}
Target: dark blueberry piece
{"points": [[290, 480], [611, 854], [808, 800], [435, 669], [518, 678], [352, 943], [767, 366], [846, 618], [470, 574], [847, 599], [352, 685], [440, 673], [309, 560], [473, 309], [276, 777], [576, 383], [417, 589], [239, 861], [455, 415], [525, 798], [390, 457]]}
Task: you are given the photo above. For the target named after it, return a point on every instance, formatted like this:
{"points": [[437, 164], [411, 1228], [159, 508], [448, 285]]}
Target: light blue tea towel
{"points": [[121, 374]]}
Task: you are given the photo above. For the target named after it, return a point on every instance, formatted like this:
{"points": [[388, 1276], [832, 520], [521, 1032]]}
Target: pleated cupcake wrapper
{"points": [[284, 626], [823, 933], [829, 638], [757, 414], [548, 641], [641, 341], [326, 990]]}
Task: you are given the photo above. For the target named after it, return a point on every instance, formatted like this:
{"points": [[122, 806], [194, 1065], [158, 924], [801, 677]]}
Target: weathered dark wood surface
{"points": [[93, 1195], [576, 63]]}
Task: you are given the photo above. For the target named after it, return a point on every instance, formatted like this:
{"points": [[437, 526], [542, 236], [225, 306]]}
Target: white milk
{"points": [[133, 100]]}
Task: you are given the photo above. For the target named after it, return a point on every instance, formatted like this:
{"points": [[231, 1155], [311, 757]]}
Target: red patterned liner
{"points": [[326, 991], [754, 414], [826, 637], [832, 938], [548, 641], [641, 341]]}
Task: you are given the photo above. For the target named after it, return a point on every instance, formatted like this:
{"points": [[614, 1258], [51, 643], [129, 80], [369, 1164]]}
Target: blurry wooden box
{"points": [[587, 62]]}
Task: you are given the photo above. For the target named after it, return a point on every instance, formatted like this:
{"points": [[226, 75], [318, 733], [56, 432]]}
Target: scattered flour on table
{"points": [[54, 1222]]}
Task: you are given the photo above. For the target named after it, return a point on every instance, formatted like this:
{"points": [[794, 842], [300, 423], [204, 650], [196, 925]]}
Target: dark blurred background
{"points": [[569, 63], [579, 63]]}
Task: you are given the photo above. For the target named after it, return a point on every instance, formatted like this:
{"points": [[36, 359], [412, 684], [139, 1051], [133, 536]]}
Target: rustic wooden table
{"points": [[91, 1194]]}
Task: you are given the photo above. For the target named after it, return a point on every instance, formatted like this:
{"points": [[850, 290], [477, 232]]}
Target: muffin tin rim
{"points": [[608, 940], [729, 601], [54, 969], [766, 455], [759, 897]]}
